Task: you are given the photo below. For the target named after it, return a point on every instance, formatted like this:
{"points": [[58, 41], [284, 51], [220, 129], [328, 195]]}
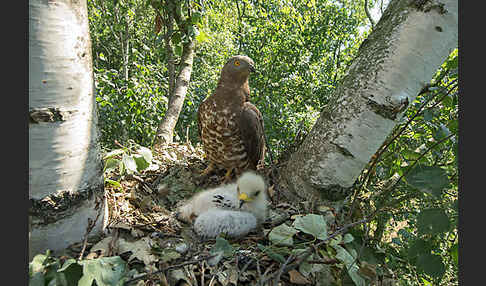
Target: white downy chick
{"points": [[233, 209]]}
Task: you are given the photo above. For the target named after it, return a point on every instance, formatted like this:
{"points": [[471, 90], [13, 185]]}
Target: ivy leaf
{"points": [[282, 235], [105, 271], [431, 264], [312, 224], [429, 179], [432, 221]]}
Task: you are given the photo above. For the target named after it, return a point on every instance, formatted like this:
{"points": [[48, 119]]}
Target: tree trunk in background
{"points": [[65, 167], [165, 131], [401, 55]]}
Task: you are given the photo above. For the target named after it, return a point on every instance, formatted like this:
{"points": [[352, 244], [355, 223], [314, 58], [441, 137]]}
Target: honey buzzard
{"points": [[230, 127]]}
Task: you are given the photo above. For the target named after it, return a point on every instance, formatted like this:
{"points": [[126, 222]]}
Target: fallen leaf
{"points": [[297, 278]]}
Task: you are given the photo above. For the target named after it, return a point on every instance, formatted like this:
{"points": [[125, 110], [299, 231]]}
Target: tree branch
{"points": [[369, 14]]}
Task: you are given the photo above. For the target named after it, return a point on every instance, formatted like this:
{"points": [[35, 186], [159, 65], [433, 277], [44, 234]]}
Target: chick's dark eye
{"points": [[257, 193]]}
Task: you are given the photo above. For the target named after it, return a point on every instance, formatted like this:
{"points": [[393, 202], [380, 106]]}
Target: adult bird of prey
{"points": [[230, 126]]}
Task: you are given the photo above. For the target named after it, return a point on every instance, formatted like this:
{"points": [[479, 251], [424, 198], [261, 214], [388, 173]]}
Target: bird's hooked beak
{"points": [[252, 68], [243, 197]]}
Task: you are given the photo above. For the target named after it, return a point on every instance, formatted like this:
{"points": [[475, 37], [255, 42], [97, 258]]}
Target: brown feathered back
{"points": [[230, 127]]}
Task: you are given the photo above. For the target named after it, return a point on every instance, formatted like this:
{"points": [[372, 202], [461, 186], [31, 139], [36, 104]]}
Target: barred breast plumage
{"points": [[230, 127]]}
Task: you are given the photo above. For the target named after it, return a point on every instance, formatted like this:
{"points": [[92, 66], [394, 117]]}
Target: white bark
{"points": [[398, 59], [64, 163]]}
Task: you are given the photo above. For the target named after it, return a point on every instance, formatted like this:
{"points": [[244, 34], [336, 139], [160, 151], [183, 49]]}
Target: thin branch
{"points": [[369, 14], [169, 268], [295, 261], [387, 144], [89, 228], [389, 190]]}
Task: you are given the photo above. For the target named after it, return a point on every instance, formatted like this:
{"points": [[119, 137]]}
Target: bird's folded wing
{"points": [[221, 197], [251, 130]]}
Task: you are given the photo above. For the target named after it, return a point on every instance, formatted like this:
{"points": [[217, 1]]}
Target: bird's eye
{"points": [[257, 193], [237, 63]]}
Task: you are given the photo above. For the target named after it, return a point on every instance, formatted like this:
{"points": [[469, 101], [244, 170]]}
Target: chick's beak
{"points": [[243, 197], [252, 68]]}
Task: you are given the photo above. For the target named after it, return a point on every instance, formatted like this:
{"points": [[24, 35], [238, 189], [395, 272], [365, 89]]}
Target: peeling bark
{"points": [[65, 169], [397, 60]]}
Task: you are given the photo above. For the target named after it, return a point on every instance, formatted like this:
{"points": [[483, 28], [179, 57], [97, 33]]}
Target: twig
{"points": [[300, 258], [388, 143], [170, 267], [369, 14], [392, 187], [281, 269], [89, 228]]}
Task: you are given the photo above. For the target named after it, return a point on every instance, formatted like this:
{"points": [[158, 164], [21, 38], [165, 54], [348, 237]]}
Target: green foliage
{"points": [[126, 160], [301, 50], [45, 269], [422, 151], [312, 224]]}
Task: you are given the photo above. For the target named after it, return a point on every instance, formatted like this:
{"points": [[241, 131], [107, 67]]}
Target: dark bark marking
{"points": [[343, 150], [387, 111], [62, 204], [51, 114], [427, 5]]}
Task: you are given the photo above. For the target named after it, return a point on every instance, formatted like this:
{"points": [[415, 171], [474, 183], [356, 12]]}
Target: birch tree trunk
{"points": [[65, 167], [400, 56], [165, 131]]}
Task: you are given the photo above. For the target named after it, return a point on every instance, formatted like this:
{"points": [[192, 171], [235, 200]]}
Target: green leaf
{"points": [[348, 238], [129, 163], [282, 235], [417, 247], [106, 271], [178, 50], [142, 164], [196, 17], [112, 182], [312, 224], [454, 252], [432, 221], [113, 153], [429, 179], [37, 279], [146, 153], [428, 115], [272, 254], [72, 271], [37, 264], [222, 245], [202, 37], [441, 132], [351, 264], [111, 164], [431, 264]]}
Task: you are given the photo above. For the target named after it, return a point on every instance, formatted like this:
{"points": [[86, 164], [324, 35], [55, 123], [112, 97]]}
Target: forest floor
{"points": [[144, 232]]}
